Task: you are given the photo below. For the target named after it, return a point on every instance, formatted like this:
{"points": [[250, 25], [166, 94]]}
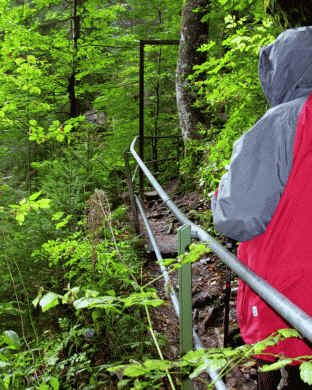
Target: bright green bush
{"points": [[230, 91]]}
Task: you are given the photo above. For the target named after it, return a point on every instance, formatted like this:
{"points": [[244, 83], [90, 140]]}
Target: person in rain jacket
{"points": [[264, 200]]}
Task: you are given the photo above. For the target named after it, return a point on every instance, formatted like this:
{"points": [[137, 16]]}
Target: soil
{"points": [[208, 289]]}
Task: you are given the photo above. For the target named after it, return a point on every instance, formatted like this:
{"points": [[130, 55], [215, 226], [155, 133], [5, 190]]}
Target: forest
{"points": [[73, 302]]}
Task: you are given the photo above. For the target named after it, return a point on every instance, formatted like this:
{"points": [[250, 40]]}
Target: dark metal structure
{"points": [[143, 43]]}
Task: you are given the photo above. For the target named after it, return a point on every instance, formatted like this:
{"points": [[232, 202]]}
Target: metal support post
{"points": [[227, 297], [185, 300], [141, 117], [231, 245]]}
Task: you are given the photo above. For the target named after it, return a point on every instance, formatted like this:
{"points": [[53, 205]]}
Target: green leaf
{"points": [[91, 293], [143, 298], [44, 203], [31, 59], [84, 303], [96, 314], [288, 332], [20, 217], [155, 364], [214, 364], [67, 128], [11, 339], [3, 364], [196, 250], [35, 90], [166, 262], [268, 342], [44, 386], [36, 301], [19, 61], [49, 300], [54, 383], [60, 137], [201, 368], [118, 368], [63, 223], [69, 296], [306, 372], [35, 195], [194, 356], [57, 216], [275, 366], [134, 371]]}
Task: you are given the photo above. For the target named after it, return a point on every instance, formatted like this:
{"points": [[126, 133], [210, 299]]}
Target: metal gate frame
{"points": [[152, 42]]}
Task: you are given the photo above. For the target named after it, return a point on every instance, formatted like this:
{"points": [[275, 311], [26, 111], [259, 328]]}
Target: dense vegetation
{"points": [[71, 296]]}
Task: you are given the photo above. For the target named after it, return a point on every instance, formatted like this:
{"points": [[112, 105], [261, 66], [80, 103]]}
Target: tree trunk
{"points": [[193, 34], [75, 28]]}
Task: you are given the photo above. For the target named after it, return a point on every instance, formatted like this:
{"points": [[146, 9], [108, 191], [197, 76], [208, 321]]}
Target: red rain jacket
{"points": [[265, 198], [282, 255]]}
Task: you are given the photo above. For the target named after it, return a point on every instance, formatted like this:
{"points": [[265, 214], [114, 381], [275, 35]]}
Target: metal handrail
{"points": [[282, 305], [218, 383]]}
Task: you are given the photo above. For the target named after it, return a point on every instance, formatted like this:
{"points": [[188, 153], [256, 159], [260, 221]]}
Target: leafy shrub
{"points": [[230, 91]]}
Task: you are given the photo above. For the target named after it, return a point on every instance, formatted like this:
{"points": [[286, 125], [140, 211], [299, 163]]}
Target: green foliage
{"points": [[191, 256], [26, 205], [228, 87], [193, 156], [306, 372], [193, 363], [10, 337], [48, 301], [64, 254], [92, 300], [65, 358]]}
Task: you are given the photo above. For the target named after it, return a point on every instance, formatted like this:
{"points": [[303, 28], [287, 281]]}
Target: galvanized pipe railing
{"points": [[282, 305], [219, 385]]}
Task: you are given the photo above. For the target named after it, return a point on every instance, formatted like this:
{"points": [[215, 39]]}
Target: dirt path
{"points": [[208, 283]]}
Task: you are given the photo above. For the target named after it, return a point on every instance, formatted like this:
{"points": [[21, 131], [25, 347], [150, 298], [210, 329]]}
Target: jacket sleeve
{"points": [[250, 190]]}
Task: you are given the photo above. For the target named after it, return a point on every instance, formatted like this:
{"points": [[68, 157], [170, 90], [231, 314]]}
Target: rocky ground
{"points": [[208, 287]]}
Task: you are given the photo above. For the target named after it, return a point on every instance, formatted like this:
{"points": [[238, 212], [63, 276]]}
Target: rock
{"points": [[202, 299], [167, 244], [95, 116], [151, 195]]}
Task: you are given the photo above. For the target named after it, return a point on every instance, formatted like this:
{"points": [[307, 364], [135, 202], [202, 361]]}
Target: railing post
{"points": [[231, 245], [131, 194], [185, 299], [141, 116]]}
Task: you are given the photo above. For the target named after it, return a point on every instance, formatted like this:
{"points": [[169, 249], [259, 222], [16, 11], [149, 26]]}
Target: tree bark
{"points": [[193, 34], [75, 28]]}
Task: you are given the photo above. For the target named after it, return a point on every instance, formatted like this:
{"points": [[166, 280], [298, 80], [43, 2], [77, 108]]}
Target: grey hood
{"points": [[285, 66]]}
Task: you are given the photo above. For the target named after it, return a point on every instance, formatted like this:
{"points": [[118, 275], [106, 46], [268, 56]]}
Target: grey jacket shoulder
{"points": [[261, 162]]}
